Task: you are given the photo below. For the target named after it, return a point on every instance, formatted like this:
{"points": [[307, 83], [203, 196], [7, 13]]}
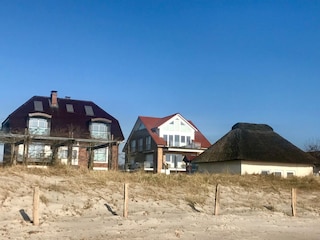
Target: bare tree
{"points": [[313, 145]]}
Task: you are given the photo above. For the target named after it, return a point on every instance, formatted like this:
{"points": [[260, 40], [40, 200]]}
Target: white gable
{"points": [[177, 125]]}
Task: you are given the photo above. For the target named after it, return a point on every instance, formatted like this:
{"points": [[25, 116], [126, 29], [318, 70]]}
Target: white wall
{"points": [[299, 170], [177, 126], [249, 167]]}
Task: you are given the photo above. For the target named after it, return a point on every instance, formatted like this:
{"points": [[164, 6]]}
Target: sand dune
{"points": [[70, 210]]}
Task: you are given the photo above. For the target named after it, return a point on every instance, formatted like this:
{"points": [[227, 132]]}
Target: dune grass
{"points": [[193, 188]]}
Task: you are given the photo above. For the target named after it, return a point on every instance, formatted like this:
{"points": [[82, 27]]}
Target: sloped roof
{"points": [[62, 119], [254, 142], [152, 123]]}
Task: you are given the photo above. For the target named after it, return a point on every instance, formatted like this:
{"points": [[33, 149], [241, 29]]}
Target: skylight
{"points": [[38, 106], [69, 108], [89, 110]]}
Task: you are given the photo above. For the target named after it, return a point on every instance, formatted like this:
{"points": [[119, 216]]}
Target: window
{"points": [[69, 108], [36, 151], [170, 140], [264, 172], [38, 106], [140, 144], [278, 174], [63, 153], [100, 155], [148, 143], [89, 110], [188, 140], [149, 161], [39, 126], [100, 130], [290, 174], [165, 137], [74, 154], [133, 145], [176, 140], [174, 160]]}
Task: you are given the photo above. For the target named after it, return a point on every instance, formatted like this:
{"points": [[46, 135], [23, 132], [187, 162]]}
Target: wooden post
{"points": [[294, 201], [12, 160], [90, 160], [217, 200], [36, 206], [125, 201], [70, 147], [25, 147]]}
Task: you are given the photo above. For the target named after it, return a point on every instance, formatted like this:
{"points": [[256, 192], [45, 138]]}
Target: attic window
{"points": [[69, 108], [38, 106], [89, 110]]}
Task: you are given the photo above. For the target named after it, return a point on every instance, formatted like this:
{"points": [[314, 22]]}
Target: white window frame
{"points": [[100, 155], [39, 126], [36, 151], [100, 130]]}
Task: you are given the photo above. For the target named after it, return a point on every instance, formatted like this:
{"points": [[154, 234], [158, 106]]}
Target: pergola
{"points": [[55, 142]]}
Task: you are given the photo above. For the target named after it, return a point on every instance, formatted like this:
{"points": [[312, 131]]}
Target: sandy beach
{"points": [[71, 207]]}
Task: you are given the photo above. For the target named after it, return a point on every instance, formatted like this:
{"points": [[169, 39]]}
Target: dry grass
{"points": [[44, 199], [193, 187]]}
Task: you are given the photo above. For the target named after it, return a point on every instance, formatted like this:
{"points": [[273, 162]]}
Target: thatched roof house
{"points": [[255, 148]]}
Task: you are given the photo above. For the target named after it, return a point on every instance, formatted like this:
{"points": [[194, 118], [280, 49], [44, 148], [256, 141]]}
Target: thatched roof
{"points": [[254, 142]]}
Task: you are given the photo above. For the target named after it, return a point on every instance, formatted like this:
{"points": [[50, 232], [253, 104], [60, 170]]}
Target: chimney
{"points": [[54, 101]]}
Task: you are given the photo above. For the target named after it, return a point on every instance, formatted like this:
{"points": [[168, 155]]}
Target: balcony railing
{"points": [[193, 145]]}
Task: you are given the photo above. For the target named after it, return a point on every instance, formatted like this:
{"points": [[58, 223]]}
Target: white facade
{"points": [[250, 167], [278, 169], [177, 131]]}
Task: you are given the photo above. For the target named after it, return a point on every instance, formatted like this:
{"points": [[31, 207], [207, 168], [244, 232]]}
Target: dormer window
{"points": [[39, 126], [100, 130]]}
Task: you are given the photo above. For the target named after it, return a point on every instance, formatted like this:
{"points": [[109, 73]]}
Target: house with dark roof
{"points": [[160, 144], [255, 149], [50, 130]]}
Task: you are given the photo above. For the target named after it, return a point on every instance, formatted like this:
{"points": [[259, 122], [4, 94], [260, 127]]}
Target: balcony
{"points": [[193, 145]]}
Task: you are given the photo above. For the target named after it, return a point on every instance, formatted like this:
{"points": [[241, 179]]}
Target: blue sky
{"points": [[215, 62]]}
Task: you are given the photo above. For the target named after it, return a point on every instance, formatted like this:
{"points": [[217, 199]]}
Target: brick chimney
{"points": [[54, 101]]}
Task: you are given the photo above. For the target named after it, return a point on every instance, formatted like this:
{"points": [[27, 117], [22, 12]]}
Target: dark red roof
{"points": [[62, 120]]}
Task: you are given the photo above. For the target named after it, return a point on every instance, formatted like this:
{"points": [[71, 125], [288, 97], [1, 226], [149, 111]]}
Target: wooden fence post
{"points": [[36, 206], [125, 200], [294, 201], [217, 200]]}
